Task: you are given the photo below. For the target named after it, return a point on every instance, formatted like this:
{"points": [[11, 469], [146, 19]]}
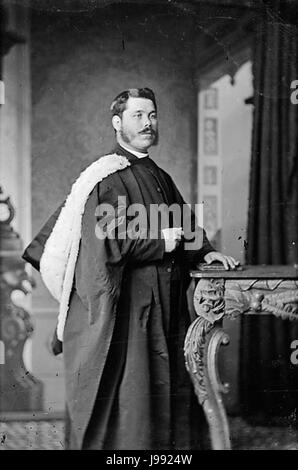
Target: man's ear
{"points": [[116, 121]]}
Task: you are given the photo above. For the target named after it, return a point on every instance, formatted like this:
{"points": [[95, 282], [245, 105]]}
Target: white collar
{"points": [[134, 152]]}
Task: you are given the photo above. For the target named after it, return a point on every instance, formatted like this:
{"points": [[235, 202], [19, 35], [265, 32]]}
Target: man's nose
{"points": [[147, 122]]}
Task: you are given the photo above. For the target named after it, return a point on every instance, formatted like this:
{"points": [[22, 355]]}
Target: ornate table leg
{"points": [[201, 348], [214, 298]]}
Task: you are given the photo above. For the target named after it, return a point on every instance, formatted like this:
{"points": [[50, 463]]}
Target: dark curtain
{"points": [[268, 380]]}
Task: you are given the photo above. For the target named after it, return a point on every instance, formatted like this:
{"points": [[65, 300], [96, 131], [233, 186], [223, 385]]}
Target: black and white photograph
{"points": [[149, 227]]}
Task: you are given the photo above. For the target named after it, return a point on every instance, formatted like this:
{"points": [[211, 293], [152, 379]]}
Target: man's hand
{"points": [[172, 237], [228, 261]]}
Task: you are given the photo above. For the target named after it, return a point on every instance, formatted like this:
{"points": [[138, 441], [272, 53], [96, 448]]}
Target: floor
{"points": [[49, 435]]}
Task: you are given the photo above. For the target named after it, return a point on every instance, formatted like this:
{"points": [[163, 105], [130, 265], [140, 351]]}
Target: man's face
{"points": [[138, 127]]}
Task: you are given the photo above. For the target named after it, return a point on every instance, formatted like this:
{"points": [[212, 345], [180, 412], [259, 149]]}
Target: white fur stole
{"points": [[57, 264]]}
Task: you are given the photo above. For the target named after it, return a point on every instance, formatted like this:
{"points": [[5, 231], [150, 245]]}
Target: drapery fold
{"points": [[268, 380]]}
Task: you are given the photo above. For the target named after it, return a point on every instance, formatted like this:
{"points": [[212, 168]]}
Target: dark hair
{"points": [[119, 103]]}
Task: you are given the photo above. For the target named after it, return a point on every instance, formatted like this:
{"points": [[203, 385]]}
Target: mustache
{"points": [[148, 131]]}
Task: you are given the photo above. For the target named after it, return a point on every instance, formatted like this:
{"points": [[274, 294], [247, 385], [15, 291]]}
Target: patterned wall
{"points": [[210, 163]]}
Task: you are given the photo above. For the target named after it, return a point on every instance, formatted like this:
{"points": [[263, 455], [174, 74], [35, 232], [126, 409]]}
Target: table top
{"points": [[248, 272]]}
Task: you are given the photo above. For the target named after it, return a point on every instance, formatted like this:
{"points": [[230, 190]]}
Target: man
{"points": [[123, 331]]}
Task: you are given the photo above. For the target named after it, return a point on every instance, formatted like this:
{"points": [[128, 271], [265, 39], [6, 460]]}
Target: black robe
{"points": [[126, 382]]}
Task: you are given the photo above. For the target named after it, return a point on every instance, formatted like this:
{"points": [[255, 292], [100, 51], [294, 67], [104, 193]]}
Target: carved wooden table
{"points": [[265, 290]]}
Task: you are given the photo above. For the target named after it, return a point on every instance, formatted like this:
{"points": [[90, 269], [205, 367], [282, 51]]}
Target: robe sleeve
{"points": [[34, 250], [32, 255], [120, 246], [102, 260], [196, 243]]}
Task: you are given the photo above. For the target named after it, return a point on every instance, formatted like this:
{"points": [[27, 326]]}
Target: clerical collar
{"points": [[134, 152]]}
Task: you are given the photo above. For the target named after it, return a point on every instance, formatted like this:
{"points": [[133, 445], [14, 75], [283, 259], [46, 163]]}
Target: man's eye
{"points": [[153, 116], [138, 115]]}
